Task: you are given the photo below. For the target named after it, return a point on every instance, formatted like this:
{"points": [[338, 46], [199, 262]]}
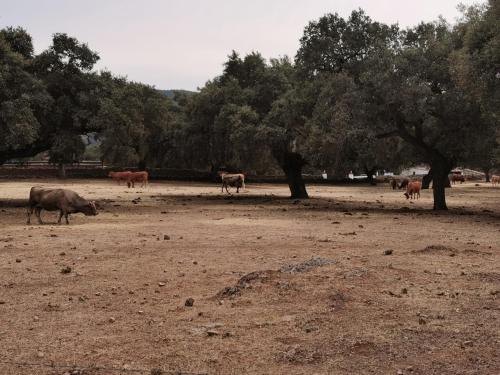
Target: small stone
{"points": [[388, 252], [112, 320], [189, 302], [140, 312], [18, 260], [2, 302], [66, 270], [467, 343], [98, 294], [161, 284], [421, 321], [40, 355], [212, 333], [195, 262], [36, 318], [400, 372], [62, 253], [166, 237], [404, 291]]}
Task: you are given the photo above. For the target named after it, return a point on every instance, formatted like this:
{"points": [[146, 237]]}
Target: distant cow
{"points": [[141, 177], [404, 183], [232, 179], [413, 190], [455, 177], [62, 200], [393, 183], [495, 180], [120, 176]]}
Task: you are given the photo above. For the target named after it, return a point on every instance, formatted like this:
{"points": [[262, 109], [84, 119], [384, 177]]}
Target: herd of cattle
{"points": [[68, 202]]}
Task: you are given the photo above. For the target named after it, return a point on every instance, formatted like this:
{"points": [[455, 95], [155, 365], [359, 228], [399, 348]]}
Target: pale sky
{"points": [[181, 44]]}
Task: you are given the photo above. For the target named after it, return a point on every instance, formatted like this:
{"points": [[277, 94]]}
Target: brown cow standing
{"points": [[63, 200], [232, 179], [495, 180], [141, 177], [119, 176], [457, 177], [413, 190]]}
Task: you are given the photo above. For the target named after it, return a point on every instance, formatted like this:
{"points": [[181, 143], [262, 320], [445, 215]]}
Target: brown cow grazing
{"points": [[495, 180], [62, 200], [141, 177], [455, 177], [404, 183], [413, 190], [119, 176], [232, 179]]}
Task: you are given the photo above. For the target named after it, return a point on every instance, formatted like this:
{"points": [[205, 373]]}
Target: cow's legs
{"points": [[29, 212], [60, 216], [38, 210], [66, 217]]}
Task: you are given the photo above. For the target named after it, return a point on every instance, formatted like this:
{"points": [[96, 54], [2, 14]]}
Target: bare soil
{"points": [[277, 286]]}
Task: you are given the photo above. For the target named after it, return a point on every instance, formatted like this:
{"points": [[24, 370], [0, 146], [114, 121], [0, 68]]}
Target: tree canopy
{"points": [[359, 95]]}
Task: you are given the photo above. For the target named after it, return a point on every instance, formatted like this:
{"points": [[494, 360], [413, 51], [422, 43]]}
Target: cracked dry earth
{"points": [[178, 277]]}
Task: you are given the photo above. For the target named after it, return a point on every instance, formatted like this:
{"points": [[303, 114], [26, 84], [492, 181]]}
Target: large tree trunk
{"points": [[440, 181], [427, 179], [438, 175], [292, 163]]}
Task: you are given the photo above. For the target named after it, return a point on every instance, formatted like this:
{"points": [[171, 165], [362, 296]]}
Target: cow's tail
{"points": [[243, 182]]}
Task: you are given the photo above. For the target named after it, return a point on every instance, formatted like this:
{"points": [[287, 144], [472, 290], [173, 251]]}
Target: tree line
{"points": [[359, 95]]}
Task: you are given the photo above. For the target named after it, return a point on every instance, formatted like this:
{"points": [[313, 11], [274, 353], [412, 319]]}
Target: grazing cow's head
{"points": [[407, 195], [89, 209]]}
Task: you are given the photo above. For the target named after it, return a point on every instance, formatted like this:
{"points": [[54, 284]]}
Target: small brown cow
{"points": [[413, 190], [232, 179], [119, 176], [455, 177], [141, 177]]}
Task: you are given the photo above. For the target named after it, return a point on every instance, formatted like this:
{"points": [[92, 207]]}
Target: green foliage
{"points": [[23, 99]]}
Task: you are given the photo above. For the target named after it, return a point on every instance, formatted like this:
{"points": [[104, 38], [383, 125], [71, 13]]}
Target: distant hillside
{"points": [[171, 93]]}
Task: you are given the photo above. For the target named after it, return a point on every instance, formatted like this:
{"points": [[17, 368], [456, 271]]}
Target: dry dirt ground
{"points": [[278, 286]]}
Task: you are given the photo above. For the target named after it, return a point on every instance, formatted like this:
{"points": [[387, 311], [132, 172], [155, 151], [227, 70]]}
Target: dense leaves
{"points": [[360, 95]]}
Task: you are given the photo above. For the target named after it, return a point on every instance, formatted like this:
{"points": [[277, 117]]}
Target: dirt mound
{"points": [[245, 282], [307, 265], [436, 249], [263, 276]]}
